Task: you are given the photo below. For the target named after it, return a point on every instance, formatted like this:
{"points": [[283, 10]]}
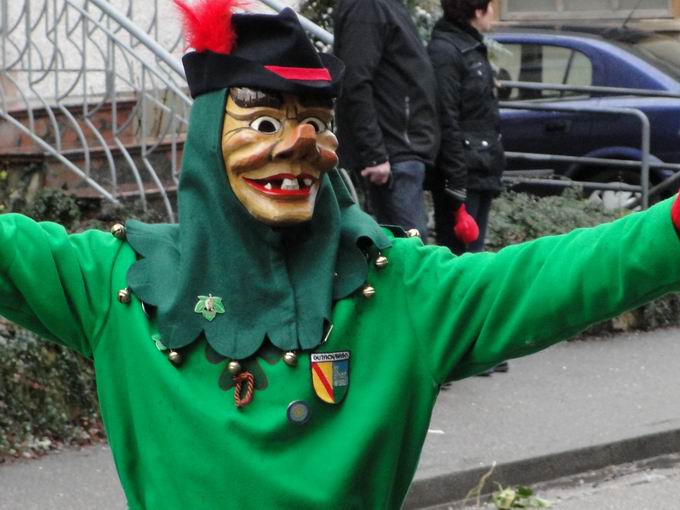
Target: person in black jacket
{"points": [[386, 118], [470, 160]]}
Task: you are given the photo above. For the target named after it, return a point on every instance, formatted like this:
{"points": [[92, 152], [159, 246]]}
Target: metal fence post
{"points": [[644, 164]]}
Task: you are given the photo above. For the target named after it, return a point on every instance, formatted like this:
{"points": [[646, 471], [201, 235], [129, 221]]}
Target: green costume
{"points": [[178, 440]]}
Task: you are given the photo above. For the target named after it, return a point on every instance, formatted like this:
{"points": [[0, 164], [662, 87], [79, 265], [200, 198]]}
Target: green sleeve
{"points": [[473, 311], [56, 284]]}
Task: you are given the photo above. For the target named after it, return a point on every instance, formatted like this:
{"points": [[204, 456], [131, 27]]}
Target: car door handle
{"points": [[558, 126]]}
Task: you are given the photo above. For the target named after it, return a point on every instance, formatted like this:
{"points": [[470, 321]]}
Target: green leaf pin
{"points": [[159, 344], [209, 306]]}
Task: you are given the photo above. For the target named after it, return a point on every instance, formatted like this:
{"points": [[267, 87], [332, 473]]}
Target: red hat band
{"points": [[301, 73]]}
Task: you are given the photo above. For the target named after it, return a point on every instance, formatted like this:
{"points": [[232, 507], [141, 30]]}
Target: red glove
{"points": [[465, 227], [675, 213]]}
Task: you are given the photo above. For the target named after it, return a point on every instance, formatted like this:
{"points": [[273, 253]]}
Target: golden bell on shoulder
{"points": [[413, 232], [381, 262], [118, 231]]}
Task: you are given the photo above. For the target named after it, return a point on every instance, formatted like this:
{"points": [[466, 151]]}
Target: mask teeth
{"points": [[290, 184]]}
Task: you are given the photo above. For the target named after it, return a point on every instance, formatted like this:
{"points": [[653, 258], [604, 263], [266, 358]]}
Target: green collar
{"points": [[278, 284]]}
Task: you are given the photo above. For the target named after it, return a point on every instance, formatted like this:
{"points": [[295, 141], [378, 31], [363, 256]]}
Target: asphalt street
{"points": [[651, 484], [70, 480], [576, 407]]}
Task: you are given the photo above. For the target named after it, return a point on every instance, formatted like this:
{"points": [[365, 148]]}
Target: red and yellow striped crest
{"points": [[330, 375]]}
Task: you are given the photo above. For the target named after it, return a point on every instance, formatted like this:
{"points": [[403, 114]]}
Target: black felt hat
{"points": [[270, 52]]}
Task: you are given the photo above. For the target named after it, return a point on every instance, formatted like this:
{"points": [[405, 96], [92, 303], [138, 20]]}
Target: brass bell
{"points": [[368, 292], [381, 262], [124, 296], [175, 357], [290, 358], [234, 367], [413, 232], [118, 231]]}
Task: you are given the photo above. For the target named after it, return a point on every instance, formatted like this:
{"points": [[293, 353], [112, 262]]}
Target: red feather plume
{"points": [[207, 24]]}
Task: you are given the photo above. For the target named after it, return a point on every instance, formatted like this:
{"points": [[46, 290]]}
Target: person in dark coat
{"points": [[470, 160], [386, 117]]}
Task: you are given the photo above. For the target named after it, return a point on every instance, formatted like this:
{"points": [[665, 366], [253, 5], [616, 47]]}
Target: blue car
{"points": [[585, 56]]}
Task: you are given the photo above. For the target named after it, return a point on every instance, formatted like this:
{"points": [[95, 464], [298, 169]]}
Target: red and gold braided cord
{"points": [[241, 400]]}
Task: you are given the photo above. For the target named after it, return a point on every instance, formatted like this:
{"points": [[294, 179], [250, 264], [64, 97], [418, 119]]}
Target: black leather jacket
{"points": [[471, 153], [387, 107]]}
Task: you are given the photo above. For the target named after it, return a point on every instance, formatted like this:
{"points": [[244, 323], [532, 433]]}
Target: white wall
{"points": [[73, 52]]}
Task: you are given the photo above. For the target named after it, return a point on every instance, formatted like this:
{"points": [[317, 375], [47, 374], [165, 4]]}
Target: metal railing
{"points": [[97, 95], [643, 165], [587, 89]]}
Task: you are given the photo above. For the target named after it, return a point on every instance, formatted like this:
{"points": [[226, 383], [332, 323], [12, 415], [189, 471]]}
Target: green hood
{"points": [[275, 283]]}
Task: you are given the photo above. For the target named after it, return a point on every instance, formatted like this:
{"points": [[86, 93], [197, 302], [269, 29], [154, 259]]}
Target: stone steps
{"points": [[29, 167]]}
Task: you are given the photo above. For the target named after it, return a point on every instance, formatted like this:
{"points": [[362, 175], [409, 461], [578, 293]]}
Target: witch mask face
{"points": [[276, 148]]}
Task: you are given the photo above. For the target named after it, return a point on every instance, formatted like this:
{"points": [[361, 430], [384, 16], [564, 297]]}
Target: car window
{"points": [[538, 63], [663, 52]]}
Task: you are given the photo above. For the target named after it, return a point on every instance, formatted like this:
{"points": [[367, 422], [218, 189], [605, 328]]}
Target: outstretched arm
{"points": [[56, 284], [473, 311]]}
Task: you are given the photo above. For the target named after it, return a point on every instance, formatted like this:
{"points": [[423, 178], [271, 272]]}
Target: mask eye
{"points": [[319, 125], [266, 124]]}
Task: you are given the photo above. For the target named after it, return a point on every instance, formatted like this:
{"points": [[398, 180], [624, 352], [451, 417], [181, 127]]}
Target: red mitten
{"points": [[465, 227], [675, 213]]}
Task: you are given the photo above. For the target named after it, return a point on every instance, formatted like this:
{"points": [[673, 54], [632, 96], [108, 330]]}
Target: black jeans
{"points": [[478, 204]]}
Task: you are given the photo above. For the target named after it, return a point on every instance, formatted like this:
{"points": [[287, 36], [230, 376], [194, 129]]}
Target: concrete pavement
{"points": [[575, 407]]}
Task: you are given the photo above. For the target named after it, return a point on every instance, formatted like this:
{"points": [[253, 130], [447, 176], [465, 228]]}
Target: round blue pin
{"points": [[298, 412]]}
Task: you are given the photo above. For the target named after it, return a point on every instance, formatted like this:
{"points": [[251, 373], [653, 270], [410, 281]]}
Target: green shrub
{"points": [[53, 204], [519, 217], [47, 395]]}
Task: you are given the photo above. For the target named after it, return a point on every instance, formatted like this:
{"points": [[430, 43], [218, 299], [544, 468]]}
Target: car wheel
{"points": [[611, 199]]}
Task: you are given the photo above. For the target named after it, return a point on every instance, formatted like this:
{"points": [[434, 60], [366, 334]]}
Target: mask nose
{"points": [[299, 143]]}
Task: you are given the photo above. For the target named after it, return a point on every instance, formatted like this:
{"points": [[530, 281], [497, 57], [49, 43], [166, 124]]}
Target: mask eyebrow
{"points": [[251, 98], [311, 101]]}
